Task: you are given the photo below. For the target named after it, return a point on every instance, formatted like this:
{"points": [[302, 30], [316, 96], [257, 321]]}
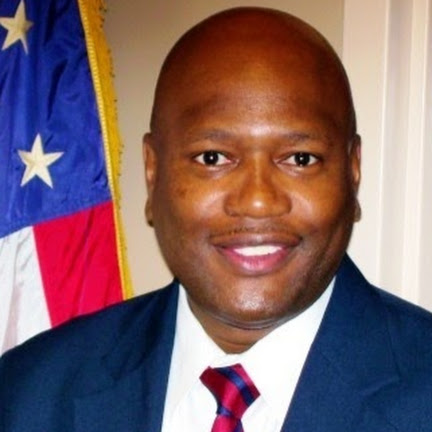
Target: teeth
{"points": [[257, 250]]}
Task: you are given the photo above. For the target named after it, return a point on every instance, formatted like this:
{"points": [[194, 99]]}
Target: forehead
{"points": [[252, 93], [250, 72]]}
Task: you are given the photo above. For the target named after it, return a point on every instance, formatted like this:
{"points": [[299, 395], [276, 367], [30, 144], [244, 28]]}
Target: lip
{"points": [[258, 254]]}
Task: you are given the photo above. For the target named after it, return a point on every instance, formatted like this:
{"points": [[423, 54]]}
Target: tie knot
{"points": [[232, 388]]}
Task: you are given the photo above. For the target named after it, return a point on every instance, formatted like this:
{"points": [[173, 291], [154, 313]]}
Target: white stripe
{"points": [[23, 309]]}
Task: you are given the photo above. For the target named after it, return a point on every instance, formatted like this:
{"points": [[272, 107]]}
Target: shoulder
{"points": [[399, 314], [40, 379], [410, 335], [410, 330], [381, 347], [380, 317], [86, 337]]}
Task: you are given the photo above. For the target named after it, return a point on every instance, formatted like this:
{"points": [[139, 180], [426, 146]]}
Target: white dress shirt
{"points": [[274, 364]]}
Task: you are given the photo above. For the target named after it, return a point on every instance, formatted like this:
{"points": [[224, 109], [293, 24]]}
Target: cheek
{"points": [[170, 195], [322, 207], [184, 207], [180, 192]]}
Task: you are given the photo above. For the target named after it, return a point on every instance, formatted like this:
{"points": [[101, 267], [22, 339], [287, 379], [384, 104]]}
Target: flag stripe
{"points": [[79, 264], [23, 309]]}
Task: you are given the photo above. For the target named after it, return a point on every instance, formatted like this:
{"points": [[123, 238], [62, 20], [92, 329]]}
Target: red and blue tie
{"points": [[234, 392]]}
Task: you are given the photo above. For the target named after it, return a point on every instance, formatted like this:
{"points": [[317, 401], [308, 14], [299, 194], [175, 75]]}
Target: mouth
{"points": [[259, 258], [257, 251]]}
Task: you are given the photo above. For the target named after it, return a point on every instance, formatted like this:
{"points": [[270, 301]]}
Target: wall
{"points": [[140, 33], [389, 62]]}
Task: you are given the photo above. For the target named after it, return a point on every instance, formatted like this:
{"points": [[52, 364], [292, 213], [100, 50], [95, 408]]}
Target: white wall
{"points": [[388, 54], [140, 33]]}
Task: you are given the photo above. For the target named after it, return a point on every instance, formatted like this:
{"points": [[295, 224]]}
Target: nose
{"points": [[258, 191]]}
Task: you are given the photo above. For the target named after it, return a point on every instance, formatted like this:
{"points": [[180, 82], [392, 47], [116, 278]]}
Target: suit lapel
{"points": [[325, 402], [132, 380], [350, 364]]}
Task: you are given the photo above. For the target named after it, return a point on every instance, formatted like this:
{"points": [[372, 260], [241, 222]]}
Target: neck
{"points": [[232, 339]]}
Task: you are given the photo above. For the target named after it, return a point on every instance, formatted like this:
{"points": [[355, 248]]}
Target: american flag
{"points": [[61, 248]]}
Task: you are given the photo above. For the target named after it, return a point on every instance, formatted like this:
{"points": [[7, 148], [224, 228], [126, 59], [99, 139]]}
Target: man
{"points": [[252, 167]]}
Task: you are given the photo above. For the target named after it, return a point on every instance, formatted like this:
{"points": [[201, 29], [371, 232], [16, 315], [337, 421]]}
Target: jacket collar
{"points": [[350, 363], [132, 380]]}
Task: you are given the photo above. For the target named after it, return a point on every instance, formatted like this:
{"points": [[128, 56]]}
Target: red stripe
{"points": [[225, 391], [247, 379], [78, 261]]}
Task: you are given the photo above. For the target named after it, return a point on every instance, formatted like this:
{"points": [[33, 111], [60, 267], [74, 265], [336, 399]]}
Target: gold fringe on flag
{"points": [[91, 12]]}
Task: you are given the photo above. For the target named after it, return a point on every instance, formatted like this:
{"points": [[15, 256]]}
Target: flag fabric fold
{"points": [[62, 250]]}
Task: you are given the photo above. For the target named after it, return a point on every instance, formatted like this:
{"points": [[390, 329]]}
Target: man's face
{"points": [[252, 186]]}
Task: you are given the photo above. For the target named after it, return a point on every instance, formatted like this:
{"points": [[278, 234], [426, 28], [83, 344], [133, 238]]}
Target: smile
{"points": [[261, 250], [257, 259]]}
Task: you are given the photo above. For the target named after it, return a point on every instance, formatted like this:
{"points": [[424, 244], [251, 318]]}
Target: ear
{"points": [[150, 167], [355, 161]]}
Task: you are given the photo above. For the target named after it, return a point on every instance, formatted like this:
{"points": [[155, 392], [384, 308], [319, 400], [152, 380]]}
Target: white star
{"points": [[17, 27], [37, 162]]}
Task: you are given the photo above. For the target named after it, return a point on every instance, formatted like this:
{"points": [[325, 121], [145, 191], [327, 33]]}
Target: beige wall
{"points": [[387, 53], [140, 32]]}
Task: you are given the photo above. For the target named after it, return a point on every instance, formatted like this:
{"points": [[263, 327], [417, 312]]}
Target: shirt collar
{"points": [[274, 363]]}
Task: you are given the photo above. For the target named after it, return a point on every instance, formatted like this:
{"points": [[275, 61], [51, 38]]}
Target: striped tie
{"points": [[234, 392]]}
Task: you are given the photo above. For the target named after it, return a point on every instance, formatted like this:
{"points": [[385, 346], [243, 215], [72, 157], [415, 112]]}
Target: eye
{"points": [[212, 158], [302, 159]]}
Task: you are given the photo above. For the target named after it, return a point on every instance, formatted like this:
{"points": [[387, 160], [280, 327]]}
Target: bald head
{"points": [[257, 44]]}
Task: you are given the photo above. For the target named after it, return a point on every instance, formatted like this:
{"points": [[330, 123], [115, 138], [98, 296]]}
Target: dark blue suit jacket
{"points": [[369, 368]]}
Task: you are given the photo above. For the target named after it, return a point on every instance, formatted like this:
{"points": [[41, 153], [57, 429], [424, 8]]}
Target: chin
{"points": [[254, 315]]}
